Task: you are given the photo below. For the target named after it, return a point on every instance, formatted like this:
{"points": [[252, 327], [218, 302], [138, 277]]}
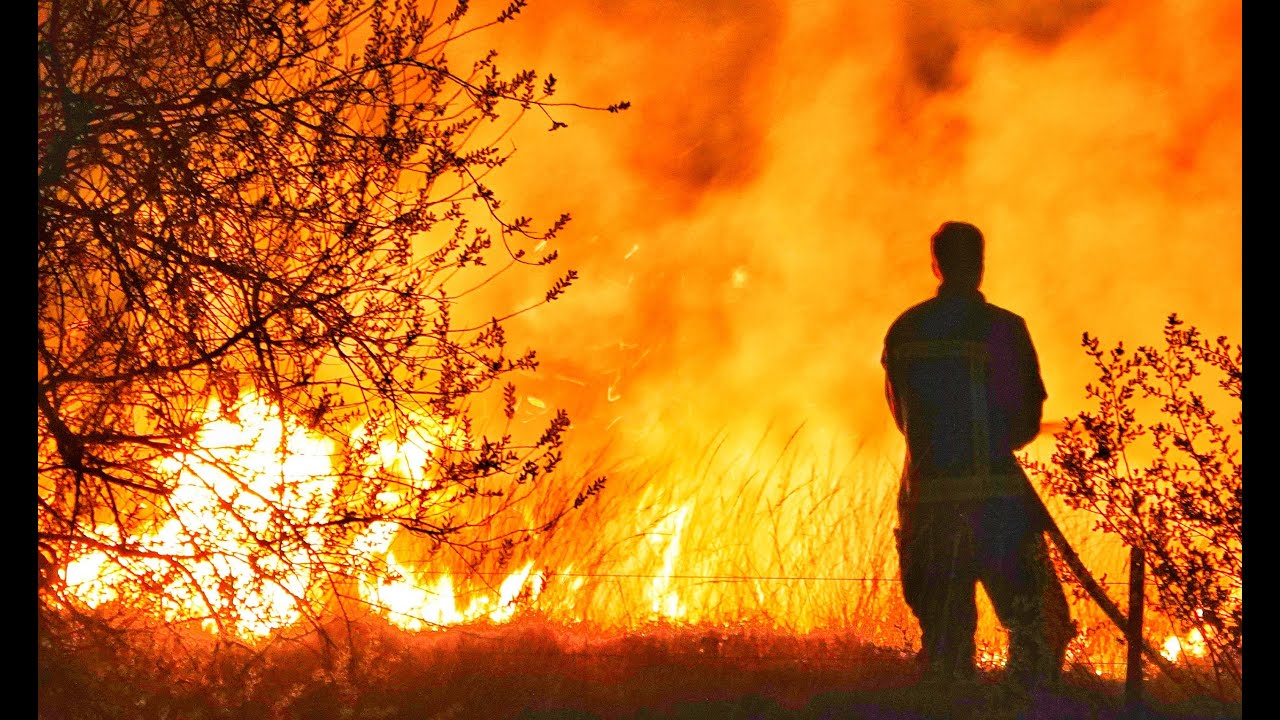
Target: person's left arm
{"points": [[1025, 424], [889, 394]]}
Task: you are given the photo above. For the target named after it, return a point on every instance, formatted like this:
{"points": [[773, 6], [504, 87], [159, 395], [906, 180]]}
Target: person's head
{"points": [[957, 254]]}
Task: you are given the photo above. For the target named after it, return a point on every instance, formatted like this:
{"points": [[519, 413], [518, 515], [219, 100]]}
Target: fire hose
{"points": [[1095, 591]]}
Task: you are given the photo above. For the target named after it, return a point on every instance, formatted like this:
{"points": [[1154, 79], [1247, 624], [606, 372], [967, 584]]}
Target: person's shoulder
{"points": [[910, 318], [1012, 323], [1005, 315]]}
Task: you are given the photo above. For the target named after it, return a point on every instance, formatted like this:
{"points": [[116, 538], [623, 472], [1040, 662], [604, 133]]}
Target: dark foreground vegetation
{"points": [[533, 669]]}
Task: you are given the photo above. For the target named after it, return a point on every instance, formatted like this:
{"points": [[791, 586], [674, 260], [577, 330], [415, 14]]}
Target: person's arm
{"points": [[893, 403], [888, 389], [1025, 423]]}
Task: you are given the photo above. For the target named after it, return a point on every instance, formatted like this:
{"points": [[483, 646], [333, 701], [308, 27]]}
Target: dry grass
{"points": [[532, 668], [829, 645]]}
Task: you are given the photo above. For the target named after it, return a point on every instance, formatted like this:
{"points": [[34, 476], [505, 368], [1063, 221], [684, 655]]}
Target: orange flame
{"points": [[214, 505], [1193, 645], [745, 235], [252, 463]]}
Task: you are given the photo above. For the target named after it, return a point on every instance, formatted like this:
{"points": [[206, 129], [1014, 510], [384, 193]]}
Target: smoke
{"points": [[934, 31], [749, 229]]}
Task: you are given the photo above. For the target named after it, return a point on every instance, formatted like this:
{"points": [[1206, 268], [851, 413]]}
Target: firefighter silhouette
{"points": [[963, 382]]}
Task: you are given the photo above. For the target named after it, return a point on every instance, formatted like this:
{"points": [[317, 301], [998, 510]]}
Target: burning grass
{"points": [[708, 579]]}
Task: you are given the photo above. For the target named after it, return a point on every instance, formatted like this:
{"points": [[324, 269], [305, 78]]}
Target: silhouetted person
{"points": [[964, 385]]}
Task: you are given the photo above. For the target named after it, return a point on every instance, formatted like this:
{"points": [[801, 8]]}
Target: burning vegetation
{"points": [[286, 296]]}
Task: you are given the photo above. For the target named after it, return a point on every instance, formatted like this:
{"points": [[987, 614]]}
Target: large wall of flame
{"points": [[748, 230]]}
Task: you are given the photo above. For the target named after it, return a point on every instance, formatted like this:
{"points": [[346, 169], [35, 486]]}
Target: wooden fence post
{"points": [[1133, 669]]}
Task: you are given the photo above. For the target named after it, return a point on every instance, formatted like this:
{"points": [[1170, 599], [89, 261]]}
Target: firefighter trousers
{"points": [[945, 549]]}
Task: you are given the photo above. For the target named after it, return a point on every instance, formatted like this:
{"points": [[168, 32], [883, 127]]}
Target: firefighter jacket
{"points": [[963, 382]]}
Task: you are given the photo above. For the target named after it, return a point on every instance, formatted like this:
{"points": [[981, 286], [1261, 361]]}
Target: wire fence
{"points": [[719, 578]]}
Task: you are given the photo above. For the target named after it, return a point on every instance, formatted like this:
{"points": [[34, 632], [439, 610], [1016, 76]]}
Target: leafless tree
{"points": [[286, 201]]}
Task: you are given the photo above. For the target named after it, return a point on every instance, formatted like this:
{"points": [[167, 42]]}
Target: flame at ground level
{"points": [[1193, 645], [792, 548]]}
